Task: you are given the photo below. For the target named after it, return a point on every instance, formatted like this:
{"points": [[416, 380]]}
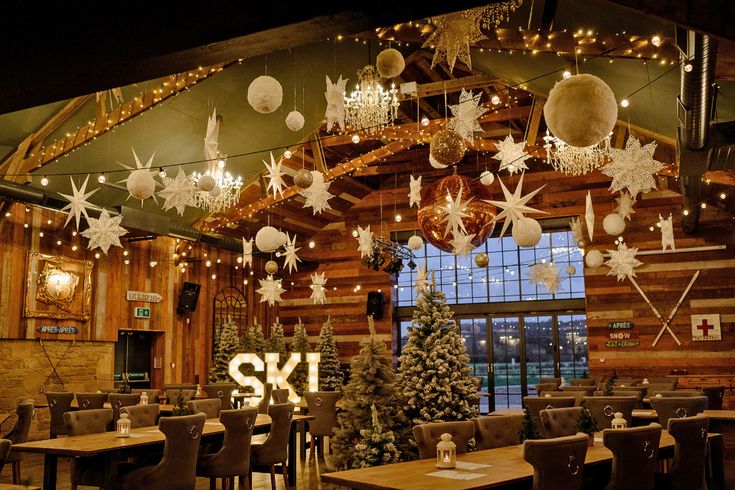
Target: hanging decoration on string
{"points": [[295, 121], [625, 205], [453, 33], [446, 147], [415, 242], [104, 232], [589, 216], [422, 281], [434, 163], [303, 179], [390, 63], [577, 233], [594, 258], [482, 260], [270, 290], [667, 232], [511, 155], [515, 205], [269, 239], [178, 192], [140, 183], [526, 232], [414, 193], [265, 94], [211, 138], [622, 262], [335, 95], [247, 252], [275, 176], [462, 243], [487, 177], [318, 289], [633, 167], [466, 113], [291, 258], [365, 241], [613, 224], [454, 211], [317, 194], [369, 107], [544, 274], [78, 201], [271, 267]]}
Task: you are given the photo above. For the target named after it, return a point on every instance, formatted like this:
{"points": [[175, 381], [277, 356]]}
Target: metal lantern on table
{"points": [[619, 422], [123, 425], [446, 452], [144, 398]]}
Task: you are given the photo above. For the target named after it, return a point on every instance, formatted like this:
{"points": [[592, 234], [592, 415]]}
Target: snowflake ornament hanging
{"points": [[545, 274], [317, 194], [514, 206], [414, 193], [318, 291], [633, 167], [622, 262], [365, 241], [275, 176], [270, 290], [511, 155], [78, 201], [335, 96], [667, 232], [290, 254], [466, 114], [104, 232], [462, 243], [454, 212], [178, 192], [453, 33], [625, 205], [247, 252]]}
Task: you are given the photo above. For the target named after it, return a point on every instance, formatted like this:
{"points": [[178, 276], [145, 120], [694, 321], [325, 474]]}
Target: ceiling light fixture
{"points": [[574, 160], [226, 192], [370, 107]]}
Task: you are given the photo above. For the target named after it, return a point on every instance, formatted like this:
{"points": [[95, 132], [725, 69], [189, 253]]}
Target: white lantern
{"points": [[144, 398], [265, 94], [198, 394], [618, 422], [446, 452], [415, 242], [390, 63], [526, 232], [645, 381], [206, 183], [123, 425], [268, 239]]}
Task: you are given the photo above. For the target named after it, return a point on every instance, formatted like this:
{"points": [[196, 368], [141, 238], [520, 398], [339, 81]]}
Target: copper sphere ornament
{"points": [[447, 147], [481, 260], [271, 267], [480, 213], [303, 178]]}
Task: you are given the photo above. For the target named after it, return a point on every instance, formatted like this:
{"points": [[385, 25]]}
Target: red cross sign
{"points": [[706, 327]]}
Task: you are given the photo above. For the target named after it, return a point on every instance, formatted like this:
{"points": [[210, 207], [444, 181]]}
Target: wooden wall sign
{"points": [[621, 335], [706, 327], [143, 296], [57, 329]]}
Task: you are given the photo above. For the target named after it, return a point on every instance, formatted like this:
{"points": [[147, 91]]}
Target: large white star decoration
{"points": [[290, 254], [576, 226], [318, 291], [247, 252], [178, 192], [514, 206], [275, 176], [452, 36], [511, 155], [335, 96], [78, 203], [422, 279], [589, 215], [466, 114], [414, 193], [365, 241], [462, 243], [140, 182], [104, 231], [625, 205], [211, 138], [317, 194], [622, 262], [270, 290], [667, 232], [633, 167], [545, 274], [455, 211]]}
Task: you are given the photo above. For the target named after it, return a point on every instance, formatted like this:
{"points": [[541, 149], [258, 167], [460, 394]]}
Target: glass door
{"points": [[541, 354], [505, 362], [473, 333], [573, 357]]}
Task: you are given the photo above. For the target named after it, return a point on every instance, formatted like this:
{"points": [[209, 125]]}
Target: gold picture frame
{"points": [[58, 287]]}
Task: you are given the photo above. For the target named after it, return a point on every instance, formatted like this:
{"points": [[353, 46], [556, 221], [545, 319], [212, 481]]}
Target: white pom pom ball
{"points": [[140, 184], [526, 232], [613, 224], [269, 239], [265, 94], [390, 63], [295, 120], [571, 270], [415, 242], [581, 110], [594, 258], [206, 183], [487, 177]]}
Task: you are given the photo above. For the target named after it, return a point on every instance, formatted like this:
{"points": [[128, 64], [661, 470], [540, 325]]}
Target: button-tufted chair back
{"points": [[578, 395], [58, 403], [586, 390], [675, 393], [223, 391], [635, 452], [534, 404], [583, 382], [639, 391], [208, 406], [557, 463], [556, 381], [560, 422], [275, 448], [678, 407], [90, 421], [19, 433], [90, 401], [688, 470], [233, 458], [547, 387], [493, 431], [119, 400], [142, 415], [172, 395], [428, 436], [280, 396], [266, 400], [154, 395], [4, 451], [603, 409], [323, 406]]}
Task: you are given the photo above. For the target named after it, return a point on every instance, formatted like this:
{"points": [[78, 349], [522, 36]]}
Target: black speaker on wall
{"points": [[188, 298], [375, 304]]}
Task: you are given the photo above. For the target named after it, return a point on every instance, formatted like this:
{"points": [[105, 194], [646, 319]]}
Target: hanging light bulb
{"points": [[101, 179], [398, 218], [44, 181], [356, 138], [688, 67], [624, 103], [424, 121], [287, 154], [312, 244], [96, 255], [566, 74], [495, 99], [656, 40], [162, 172]]}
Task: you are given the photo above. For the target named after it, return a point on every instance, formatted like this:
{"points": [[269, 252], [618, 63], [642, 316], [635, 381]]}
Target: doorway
{"points": [[138, 358]]}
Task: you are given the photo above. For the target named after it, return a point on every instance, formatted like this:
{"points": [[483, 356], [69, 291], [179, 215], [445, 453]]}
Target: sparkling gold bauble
{"points": [[390, 63], [480, 214], [481, 260], [594, 258], [271, 267], [447, 147], [303, 178]]}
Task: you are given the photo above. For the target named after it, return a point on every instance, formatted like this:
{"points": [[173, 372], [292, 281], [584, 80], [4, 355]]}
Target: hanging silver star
{"points": [[466, 114], [275, 176], [317, 194], [290, 254], [462, 243], [625, 205], [178, 192], [365, 241], [511, 155], [514, 206], [335, 95], [318, 291], [422, 281], [622, 262], [452, 36], [247, 252], [104, 231], [211, 138], [78, 203], [667, 232], [455, 211], [545, 274], [633, 167], [414, 193], [270, 290], [589, 216]]}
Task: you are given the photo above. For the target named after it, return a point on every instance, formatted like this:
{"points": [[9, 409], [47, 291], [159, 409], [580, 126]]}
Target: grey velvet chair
{"points": [[142, 415], [583, 382], [635, 452], [560, 422], [223, 391], [678, 407], [154, 395], [233, 458], [628, 382], [323, 406], [546, 387], [715, 395], [90, 401], [428, 436], [58, 403], [639, 391], [557, 463], [556, 381], [266, 400], [4, 451], [119, 400], [19, 434], [87, 470], [180, 386], [676, 393], [493, 431], [172, 395], [603, 409], [280, 396], [177, 468], [587, 390], [208, 406], [275, 448], [535, 404], [578, 395], [690, 451]]}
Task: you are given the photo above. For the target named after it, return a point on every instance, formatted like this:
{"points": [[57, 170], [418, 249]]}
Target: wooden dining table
{"points": [[493, 468], [113, 448]]}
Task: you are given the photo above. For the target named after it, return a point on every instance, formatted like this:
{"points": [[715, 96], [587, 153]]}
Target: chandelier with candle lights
{"points": [[370, 107], [226, 191]]}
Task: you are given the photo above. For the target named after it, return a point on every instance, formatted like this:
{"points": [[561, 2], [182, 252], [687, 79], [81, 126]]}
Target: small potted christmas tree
{"points": [[180, 408], [529, 429], [610, 385], [587, 424]]}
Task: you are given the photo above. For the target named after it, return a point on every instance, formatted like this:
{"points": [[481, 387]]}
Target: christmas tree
{"points": [[433, 374], [374, 447], [252, 342], [371, 389], [300, 375], [277, 343], [529, 429], [226, 348], [330, 374]]}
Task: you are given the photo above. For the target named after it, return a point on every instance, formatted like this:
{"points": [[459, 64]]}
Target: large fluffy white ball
{"points": [[140, 184], [390, 63], [526, 232], [581, 110], [594, 258], [415, 242], [269, 239], [295, 120], [206, 183], [487, 177], [613, 224], [265, 94]]}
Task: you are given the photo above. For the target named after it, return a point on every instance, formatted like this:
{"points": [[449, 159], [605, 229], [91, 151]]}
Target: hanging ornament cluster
{"points": [[466, 113], [317, 194], [390, 63], [446, 147], [414, 193], [265, 94], [633, 167], [275, 176], [544, 274], [318, 289], [511, 155], [335, 95], [269, 239], [178, 192], [140, 183], [514, 209], [270, 290], [295, 121]]}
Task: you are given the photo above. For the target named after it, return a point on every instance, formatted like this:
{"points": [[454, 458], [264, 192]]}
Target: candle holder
{"points": [[144, 398], [618, 422], [446, 452], [123, 426]]}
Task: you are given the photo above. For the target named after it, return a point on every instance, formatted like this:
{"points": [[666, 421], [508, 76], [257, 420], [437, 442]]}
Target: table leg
{"points": [[111, 472], [717, 464], [302, 446], [292, 455], [49, 471]]}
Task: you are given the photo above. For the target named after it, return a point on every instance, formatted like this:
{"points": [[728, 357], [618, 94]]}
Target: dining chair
{"points": [[89, 401], [560, 422], [677, 393], [627, 382], [233, 457], [266, 400], [577, 395], [635, 452], [323, 406], [534, 404], [583, 382], [639, 391], [428, 436], [142, 415], [179, 386], [154, 395], [19, 434], [690, 452], [557, 463], [493, 431], [586, 390], [280, 396], [546, 387], [223, 391], [603, 409], [87, 470], [4, 451], [556, 381], [715, 395], [119, 400], [274, 449], [177, 468], [58, 403], [172, 395], [208, 406], [678, 407]]}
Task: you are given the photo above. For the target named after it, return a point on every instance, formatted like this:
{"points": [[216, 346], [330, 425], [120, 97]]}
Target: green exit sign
{"points": [[142, 312]]}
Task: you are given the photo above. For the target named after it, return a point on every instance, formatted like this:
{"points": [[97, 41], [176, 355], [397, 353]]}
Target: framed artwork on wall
{"points": [[58, 287]]}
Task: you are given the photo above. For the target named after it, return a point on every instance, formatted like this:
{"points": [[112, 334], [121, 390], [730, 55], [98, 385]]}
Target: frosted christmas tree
{"points": [[277, 343], [374, 447], [252, 341], [227, 343], [299, 377], [330, 374]]}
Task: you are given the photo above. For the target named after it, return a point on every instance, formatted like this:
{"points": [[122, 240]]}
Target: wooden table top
{"points": [[3, 417], [637, 413], [500, 466], [10, 486]]}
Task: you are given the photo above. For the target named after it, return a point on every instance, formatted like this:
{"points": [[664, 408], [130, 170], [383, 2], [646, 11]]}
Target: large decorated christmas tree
{"points": [[226, 346], [330, 374], [277, 343], [299, 377]]}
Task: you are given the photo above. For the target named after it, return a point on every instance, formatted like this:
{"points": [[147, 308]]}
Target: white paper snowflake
{"points": [[318, 291], [270, 290], [514, 206], [466, 114], [414, 193], [365, 241], [589, 215], [622, 262], [667, 232], [511, 155], [422, 279], [104, 231], [291, 258], [275, 176], [625, 205], [454, 212], [633, 167], [335, 96], [247, 252], [576, 226], [462, 243], [544, 274], [452, 36], [78, 203], [317, 194], [178, 192]]}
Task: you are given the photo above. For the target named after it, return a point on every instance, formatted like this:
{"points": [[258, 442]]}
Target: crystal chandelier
{"points": [[226, 192], [574, 160], [370, 107]]}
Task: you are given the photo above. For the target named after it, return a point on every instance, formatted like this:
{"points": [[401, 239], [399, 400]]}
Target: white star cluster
{"points": [[104, 232]]}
